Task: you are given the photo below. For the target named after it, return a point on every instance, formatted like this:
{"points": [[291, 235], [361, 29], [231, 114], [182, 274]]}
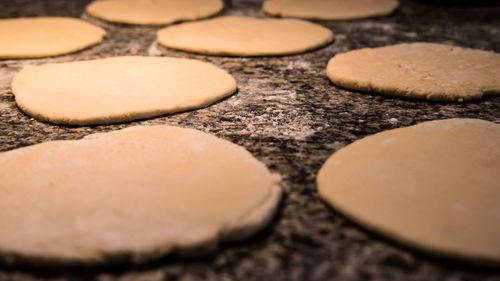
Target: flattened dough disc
{"points": [[46, 36], [245, 36], [118, 89], [419, 71], [133, 194], [153, 11], [330, 9], [434, 186]]}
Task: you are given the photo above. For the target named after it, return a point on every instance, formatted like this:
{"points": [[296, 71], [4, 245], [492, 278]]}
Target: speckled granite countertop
{"points": [[288, 114]]}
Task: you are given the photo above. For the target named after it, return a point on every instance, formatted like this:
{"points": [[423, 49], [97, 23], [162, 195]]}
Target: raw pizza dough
{"points": [[330, 9], [153, 11], [130, 195], [434, 186], [419, 71], [46, 36], [245, 36], [118, 89]]}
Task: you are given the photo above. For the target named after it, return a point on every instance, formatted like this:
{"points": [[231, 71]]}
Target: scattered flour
{"points": [[134, 48], [387, 27], [299, 64], [153, 50], [393, 121], [4, 105]]}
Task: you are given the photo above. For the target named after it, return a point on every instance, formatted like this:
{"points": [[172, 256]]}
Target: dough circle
{"points": [[245, 36], [130, 195], [428, 71], [153, 11], [46, 36], [330, 9], [434, 186], [118, 89]]}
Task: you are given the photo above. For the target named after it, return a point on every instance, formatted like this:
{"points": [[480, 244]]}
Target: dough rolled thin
{"points": [[330, 9], [130, 196], [46, 36], [425, 71], [434, 187], [118, 89], [245, 36], [153, 11]]}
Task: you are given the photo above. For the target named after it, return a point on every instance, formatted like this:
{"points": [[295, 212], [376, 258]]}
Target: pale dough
{"points": [[434, 186], [419, 71], [245, 36], [130, 195], [46, 36], [153, 11], [118, 89], [330, 9]]}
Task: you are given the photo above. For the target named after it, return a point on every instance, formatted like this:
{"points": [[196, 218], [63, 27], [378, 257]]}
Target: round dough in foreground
{"points": [[46, 36], [118, 89], [434, 186], [245, 36], [419, 71], [153, 12], [330, 9], [130, 195]]}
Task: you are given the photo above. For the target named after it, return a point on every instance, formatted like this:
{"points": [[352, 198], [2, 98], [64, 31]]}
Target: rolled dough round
{"points": [[245, 36], [419, 71], [118, 89], [46, 36], [434, 186], [153, 11], [130, 195], [330, 9]]}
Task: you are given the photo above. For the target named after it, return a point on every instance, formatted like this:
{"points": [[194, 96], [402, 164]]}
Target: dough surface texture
{"points": [[245, 36], [434, 187], [424, 71], [330, 9], [130, 196], [153, 11], [46, 36], [118, 89]]}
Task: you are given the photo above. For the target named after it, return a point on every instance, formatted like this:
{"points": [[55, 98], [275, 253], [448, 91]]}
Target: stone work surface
{"points": [[289, 115]]}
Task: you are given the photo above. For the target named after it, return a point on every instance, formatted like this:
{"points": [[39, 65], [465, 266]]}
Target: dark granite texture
{"points": [[289, 115]]}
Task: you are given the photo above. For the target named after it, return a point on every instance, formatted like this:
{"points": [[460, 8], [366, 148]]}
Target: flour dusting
{"points": [[153, 50], [3, 106], [299, 64]]}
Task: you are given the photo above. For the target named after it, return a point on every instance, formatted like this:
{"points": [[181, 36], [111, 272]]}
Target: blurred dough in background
{"points": [[153, 11], [46, 36], [330, 9], [245, 36]]}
